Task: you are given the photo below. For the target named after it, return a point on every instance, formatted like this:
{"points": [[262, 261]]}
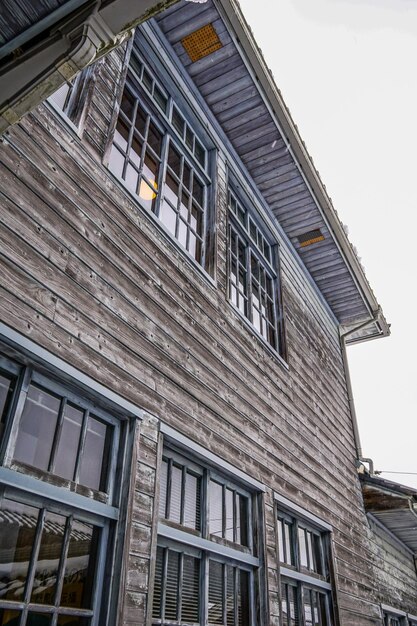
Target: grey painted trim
{"points": [[204, 544], [292, 507], [40, 488], [17, 340], [393, 610], [305, 578], [411, 617], [389, 532], [205, 455]]}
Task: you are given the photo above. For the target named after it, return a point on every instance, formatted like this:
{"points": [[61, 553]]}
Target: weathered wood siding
{"points": [[92, 277]]}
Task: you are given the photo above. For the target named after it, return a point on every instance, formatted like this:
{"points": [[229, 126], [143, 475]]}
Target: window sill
{"points": [[257, 335]]}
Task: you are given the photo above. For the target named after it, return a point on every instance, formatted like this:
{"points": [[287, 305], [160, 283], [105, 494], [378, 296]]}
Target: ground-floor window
{"points": [[60, 493]]}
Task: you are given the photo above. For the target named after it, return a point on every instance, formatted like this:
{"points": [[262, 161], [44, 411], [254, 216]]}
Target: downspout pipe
{"points": [[355, 426]]}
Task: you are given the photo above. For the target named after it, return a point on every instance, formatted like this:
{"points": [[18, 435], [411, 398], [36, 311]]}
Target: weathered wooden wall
{"points": [[91, 277]]}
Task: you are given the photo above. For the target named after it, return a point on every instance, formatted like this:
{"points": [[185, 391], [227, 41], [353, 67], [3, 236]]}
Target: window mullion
{"points": [[182, 501], [169, 486], [34, 555], [81, 444], [57, 434], [63, 559], [162, 173]]}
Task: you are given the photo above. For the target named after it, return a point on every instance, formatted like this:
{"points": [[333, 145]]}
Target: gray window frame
{"points": [[18, 483], [162, 120], [244, 225], [298, 576], [201, 544]]}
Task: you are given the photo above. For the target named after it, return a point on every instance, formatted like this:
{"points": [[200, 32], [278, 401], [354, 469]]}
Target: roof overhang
{"points": [[394, 506], [47, 42], [274, 155]]}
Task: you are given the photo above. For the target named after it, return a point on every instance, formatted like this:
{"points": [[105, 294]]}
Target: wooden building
{"points": [[178, 438]]}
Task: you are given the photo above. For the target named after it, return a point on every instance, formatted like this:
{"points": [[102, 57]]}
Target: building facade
{"points": [[178, 440]]}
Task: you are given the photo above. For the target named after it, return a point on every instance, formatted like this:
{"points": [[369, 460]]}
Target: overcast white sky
{"points": [[347, 71]]}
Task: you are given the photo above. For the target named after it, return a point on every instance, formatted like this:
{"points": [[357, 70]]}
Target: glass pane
{"points": [[121, 135], [160, 98], [80, 566], [154, 139], [303, 547], [47, 563], [317, 560], [200, 153], [9, 618], [174, 161], [186, 176], [308, 609], [185, 202], [215, 593], [37, 428], [163, 482], [216, 509], [93, 467], [168, 216], [189, 138], [157, 591], [243, 605], [127, 104], [71, 620], [192, 501], [131, 178], [198, 191], [17, 534], [59, 97], [116, 161], [177, 121], [135, 152], [242, 520], [230, 595], [6, 392], [69, 440], [147, 80], [289, 551], [281, 541], [147, 194], [182, 233], [229, 515], [190, 590], [171, 190], [141, 119], [150, 170], [38, 619], [171, 586], [176, 493]]}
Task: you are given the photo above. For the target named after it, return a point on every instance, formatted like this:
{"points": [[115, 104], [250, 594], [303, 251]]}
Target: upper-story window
{"points": [[161, 159], [253, 277], [206, 547], [59, 496], [305, 571]]}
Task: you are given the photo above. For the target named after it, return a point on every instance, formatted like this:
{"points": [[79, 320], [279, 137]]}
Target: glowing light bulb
{"points": [[147, 192]]}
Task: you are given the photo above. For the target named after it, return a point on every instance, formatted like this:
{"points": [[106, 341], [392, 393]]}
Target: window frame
{"points": [[19, 484], [171, 137], [179, 538], [270, 267], [298, 576], [395, 617]]}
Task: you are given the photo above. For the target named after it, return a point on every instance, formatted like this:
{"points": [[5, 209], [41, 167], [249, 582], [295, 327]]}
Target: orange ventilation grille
{"points": [[201, 42], [312, 236]]}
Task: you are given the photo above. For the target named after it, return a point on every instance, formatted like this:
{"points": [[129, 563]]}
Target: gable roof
{"points": [[240, 91]]}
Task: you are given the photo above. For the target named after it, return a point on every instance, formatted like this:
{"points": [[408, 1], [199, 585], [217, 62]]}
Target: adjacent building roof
{"points": [[394, 506], [215, 46]]}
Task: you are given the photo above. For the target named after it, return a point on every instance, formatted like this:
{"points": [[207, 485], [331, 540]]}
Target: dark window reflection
{"points": [[47, 563], [38, 619], [17, 534], [93, 470], [37, 427], [69, 439], [9, 618], [6, 392], [80, 566], [70, 620]]}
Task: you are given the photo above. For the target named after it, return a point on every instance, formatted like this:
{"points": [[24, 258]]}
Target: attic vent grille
{"points": [[312, 236], [201, 42]]}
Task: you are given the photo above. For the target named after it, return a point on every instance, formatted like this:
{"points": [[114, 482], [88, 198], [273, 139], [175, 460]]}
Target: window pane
{"points": [[215, 593], [168, 217], [127, 104], [93, 468], [163, 482], [116, 161], [47, 562], [59, 97], [192, 501], [303, 547], [6, 392], [242, 520], [147, 194], [229, 515], [171, 586], [243, 605], [69, 440], [190, 590], [230, 596], [80, 566], [121, 135], [17, 534], [9, 618], [71, 620], [38, 619], [216, 509], [37, 428], [176, 494], [289, 547]]}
